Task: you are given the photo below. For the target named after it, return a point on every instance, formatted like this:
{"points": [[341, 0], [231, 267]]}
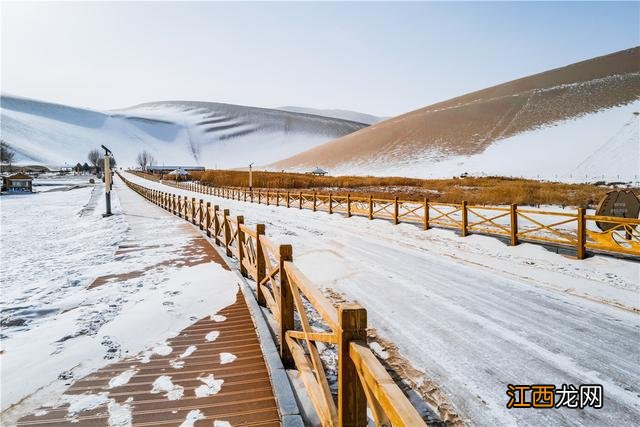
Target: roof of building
{"points": [[19, 175], [318, 170], [180, 172], [172, 168]]}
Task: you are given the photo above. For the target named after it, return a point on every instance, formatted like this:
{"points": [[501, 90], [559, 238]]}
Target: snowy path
{"points": [[474, 314], [82, 291]]}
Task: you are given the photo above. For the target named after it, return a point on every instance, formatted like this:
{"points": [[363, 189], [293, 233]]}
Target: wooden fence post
{"points": [[426, 213], [286, 306], [216, 224], [300, 200], [259, 196], [267, 198], [330, 204], [582, 234], [370, 207], [348, 205], [193, 210], [464, 230], [277, 198], [395, 210], [240, 242], [201, 214], [245, 195], [352, 401], [178, 207], [251, 195], [315, 198], [261, 265], [173, 204], [513, 213], [288, 200], [227, 233], [208, 219]]}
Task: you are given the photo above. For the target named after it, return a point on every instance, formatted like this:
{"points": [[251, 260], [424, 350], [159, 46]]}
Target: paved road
{"points": [[475, 315]]}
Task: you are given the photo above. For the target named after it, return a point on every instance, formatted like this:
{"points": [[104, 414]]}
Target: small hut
{"points": [[318, 172], [17, 182], [177, 174]]}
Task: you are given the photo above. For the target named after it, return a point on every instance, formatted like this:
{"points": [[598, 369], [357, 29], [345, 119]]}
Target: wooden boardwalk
{"points": [[245, 398], [234, 356]]}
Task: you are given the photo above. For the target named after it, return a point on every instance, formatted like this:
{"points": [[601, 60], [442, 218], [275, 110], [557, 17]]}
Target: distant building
{"points": [[176, 175], [319, 172], [17, 182], [161, 170]]}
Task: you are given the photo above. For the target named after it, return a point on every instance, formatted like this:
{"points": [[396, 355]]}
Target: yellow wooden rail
{"points": [[570, 230], [362, 381]]}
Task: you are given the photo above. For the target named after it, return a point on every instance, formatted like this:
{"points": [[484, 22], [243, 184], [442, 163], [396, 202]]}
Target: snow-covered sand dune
{"points": [[176, 132], [560, 124], [473, 313], [353, 116], [599, 146]]}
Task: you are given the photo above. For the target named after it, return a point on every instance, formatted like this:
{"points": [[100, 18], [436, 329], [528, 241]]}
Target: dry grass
{"points": [[486, 190]]}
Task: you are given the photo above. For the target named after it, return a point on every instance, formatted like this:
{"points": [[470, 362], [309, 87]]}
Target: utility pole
{"points": [[250, 177], [107, 179]]}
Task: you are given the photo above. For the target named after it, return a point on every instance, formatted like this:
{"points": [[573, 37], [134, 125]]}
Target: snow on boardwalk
{"points": [[144, 334], [473, 314]]}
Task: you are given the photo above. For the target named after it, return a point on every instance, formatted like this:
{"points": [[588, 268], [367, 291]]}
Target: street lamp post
{"points": [[250, 177], [107, 179]]}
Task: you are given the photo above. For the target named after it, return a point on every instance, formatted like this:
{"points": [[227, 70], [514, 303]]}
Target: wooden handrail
{"points": [[418, 212], [381, 386], [361, 377], [313, 294]]}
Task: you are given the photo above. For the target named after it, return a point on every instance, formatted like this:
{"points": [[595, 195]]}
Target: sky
{"points": [[378, 58]]}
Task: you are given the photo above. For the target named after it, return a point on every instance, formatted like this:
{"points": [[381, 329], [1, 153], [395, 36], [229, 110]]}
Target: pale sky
{"points": [[378, 58]]}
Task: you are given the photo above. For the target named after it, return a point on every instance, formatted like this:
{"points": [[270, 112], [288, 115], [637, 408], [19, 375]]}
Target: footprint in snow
{"points": [[212, 336], [227, 358], [209, 387], [163, 384]]}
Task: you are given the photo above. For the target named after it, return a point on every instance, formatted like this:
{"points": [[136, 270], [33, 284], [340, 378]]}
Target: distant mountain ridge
{"points": [[468, 125]]}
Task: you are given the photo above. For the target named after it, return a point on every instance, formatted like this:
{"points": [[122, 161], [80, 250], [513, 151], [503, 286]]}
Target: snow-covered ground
{"points": [[474, 314], [599, 146], [55, 327]]}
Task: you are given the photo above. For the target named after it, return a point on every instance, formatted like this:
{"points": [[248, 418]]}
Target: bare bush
{"points": [[145, 159]]}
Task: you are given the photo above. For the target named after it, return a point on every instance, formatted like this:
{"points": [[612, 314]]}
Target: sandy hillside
{"points": [[467, 125]]}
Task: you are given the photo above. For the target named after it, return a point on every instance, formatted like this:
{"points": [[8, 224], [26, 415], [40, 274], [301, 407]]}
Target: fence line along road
{"points": [[362, 381], [575, 231]]}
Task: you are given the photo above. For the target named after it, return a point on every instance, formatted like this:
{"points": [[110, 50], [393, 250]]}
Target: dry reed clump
{"points": [[478, 191]]}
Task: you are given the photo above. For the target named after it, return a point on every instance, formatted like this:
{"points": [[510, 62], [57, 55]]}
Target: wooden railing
{"points": [[576, 231], [306, 319]]}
